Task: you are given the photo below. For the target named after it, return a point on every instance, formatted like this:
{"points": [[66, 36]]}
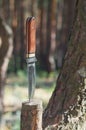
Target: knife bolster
{"points": [[31, 60], [29, 55]]}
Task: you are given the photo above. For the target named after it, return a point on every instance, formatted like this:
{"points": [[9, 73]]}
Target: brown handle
{"points": [[31, 35]]}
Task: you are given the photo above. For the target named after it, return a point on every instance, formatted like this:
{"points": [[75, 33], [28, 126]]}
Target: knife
{"points": [[30, 54]]}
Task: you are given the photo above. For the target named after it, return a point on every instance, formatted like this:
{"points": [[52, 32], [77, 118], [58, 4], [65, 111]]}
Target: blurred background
{"points": [[53, 22]]}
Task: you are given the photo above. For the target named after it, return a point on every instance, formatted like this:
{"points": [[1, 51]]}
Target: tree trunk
{"points": [[31, 115], [42, 36], [33, 8], [64, 28], [6, 48], [14, 15], [6, 10], [51, 19], [51, 34], [47, 42], [66, 108], [22, 45]]}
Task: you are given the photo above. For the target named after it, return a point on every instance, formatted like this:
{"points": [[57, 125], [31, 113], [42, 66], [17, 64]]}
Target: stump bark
{"points": [[31, 115]]}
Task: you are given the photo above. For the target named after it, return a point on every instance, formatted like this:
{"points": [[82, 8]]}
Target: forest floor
{"points": [[16, 91]]}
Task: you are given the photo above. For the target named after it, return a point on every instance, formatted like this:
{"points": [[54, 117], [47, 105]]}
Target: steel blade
{"points": [[31, 79]]}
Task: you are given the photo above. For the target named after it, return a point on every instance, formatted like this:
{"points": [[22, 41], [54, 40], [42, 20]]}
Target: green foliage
{"points": [[10, 66], [42, 74], [21, 74], [14, 66], [45, 3], [20, 79], [16, 125], [49, 89]]}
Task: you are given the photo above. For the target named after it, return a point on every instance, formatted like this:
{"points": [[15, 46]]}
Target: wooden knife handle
{"points": [[31, 35]]}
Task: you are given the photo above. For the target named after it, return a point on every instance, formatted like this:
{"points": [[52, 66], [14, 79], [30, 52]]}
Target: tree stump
{"points": [[31, 115]]}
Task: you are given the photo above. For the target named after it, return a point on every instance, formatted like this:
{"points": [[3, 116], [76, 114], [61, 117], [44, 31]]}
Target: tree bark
{"points": [[69, 95]]}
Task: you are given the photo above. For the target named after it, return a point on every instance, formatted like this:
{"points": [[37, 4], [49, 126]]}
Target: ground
{"points": [[16, 91]]}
